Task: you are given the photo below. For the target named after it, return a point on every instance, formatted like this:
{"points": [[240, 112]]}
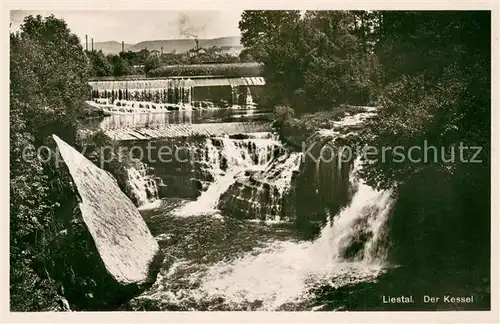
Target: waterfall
{"points": [[158, 91], [359, 226], [280, 273], [225, 158], [143, 186], [349, 249]]}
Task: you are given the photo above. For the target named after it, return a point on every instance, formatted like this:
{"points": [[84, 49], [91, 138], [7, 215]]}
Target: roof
{"points": [[171, 83]]}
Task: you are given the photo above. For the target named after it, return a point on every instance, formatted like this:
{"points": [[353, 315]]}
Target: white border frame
{"points": [[252, 317]]}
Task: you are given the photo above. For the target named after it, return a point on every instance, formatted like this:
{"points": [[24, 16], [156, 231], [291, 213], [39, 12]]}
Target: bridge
{"points": [[187, 130]]}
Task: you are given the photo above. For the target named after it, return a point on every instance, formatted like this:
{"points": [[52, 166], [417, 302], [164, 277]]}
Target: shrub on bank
{"points": [[48, 88], [250, 69], [295, 130], [283, 113]]}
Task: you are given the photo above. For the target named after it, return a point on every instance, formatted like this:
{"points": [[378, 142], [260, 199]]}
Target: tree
{"points": [[341, 69], [48, 86], [142, 55], [131, 57], [99, 65], [48, 77], [119, 65], [437, 75], [152, 62], [258, 26], [245, 56], [437, 89], [312, 62]]}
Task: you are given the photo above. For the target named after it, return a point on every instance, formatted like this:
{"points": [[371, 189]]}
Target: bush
{"points": [[98, 64], [224, 69], [283, 113], [152, 62], [48, 87], [138, 71]]}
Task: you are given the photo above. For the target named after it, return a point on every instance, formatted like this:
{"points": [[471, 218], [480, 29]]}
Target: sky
{"points": [[136, 26]]}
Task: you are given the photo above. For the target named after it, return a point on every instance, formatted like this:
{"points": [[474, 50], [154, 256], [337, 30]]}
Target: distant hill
{"points": [[111, 47], [169, 45]]}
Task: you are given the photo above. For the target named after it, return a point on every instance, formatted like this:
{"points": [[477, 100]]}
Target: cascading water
{"points": [[143, 186], [350, 249], [216, 267], [225, 161], [292, 269], [158, 91]]}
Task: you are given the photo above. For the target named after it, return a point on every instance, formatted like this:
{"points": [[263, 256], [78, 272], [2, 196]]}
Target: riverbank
{"points": [[296, 130]]}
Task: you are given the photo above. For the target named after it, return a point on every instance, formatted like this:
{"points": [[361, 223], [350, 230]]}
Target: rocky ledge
{"points": [[103, 252]]}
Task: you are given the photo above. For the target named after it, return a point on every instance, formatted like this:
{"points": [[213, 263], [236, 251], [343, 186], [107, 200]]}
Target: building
{"points": [[155, 53], [196, 51]]}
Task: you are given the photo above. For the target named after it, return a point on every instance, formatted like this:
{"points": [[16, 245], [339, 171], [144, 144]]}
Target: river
{"points": [[215, 260]]}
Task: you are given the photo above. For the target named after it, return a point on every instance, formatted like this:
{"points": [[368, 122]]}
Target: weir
{"points": [[236, 91], [251, 175], [132, 133]]}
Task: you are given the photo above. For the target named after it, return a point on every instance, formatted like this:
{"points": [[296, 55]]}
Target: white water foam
{"points": [[143, 186], [284, 272], [238, 159]]}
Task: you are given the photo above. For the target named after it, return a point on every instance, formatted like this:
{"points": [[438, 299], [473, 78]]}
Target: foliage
{"points": [[48, 86], [132, 58], [151, 63], [48, 73], [311, 62], [135, 63], [438, 89], [246, 56], [430, 74], [99, 64], [226, 70], [113, 64], [283, 113], [120, 65], [437, 76], [259, 27]]}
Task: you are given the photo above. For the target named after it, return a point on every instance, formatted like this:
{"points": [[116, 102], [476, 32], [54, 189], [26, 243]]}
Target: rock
{"points": [[323, 178], [108, 252], [264, 195]]}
